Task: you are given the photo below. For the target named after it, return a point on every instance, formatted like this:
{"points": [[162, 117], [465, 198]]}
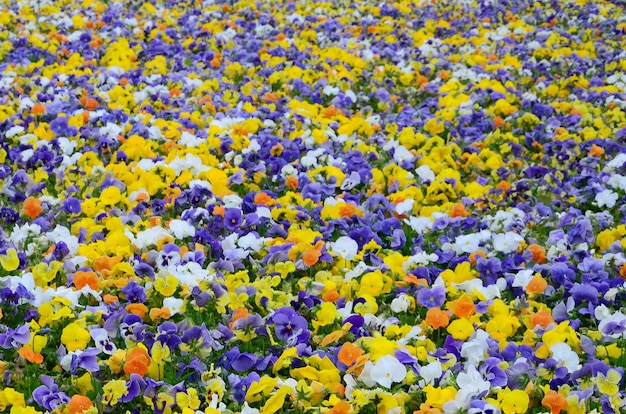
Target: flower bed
{"points": [[334, 207]]}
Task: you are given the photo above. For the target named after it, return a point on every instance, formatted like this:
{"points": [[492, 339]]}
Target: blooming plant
{"points": [[338, 207]]}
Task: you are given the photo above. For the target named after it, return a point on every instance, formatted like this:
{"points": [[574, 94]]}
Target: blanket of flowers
{"points": [[229, 206]]}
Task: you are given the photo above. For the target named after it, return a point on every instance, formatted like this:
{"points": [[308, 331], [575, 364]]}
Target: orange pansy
{"points": [[437, 318], [32, 207], [82, 279], [78, 404]]}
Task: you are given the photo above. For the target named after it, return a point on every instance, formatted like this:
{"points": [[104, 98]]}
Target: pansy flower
{"points": [[293, 206]]}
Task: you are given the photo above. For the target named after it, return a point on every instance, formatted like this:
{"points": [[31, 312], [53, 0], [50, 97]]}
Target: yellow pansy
{"points": [[17, 409], [75, 337], [462, 273], [501, 327], [369, 306], [9, 396], [110, 196], [44, 273], [261, 388], [437, 397], [189, 399], [9, 260], [166, 286], [276, 401], [113, 391], [575, 405], [434, 127], [326, 315], [514, 402], [380, 346], [48, 314], [609, 384], [84, 383], [285, 268], [371, 284], [460, 329], [284, 360], [562, 333]]}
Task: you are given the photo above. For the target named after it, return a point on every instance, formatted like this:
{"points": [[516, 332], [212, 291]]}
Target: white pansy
{"points": [[25, 103], [62, 234], [414, 333], [254, 146], [13, 131], [27, 154], [459, 404], [615, 163], [356, 271], [232, 201], [470, 286], [189, 140], [351, 181], [350, 95], [147, 164], [401, 154], [251, 242], [226, 122], [472, 383], [181, 229], [288, 170], [215, 404], [565, 356], [345, 247], [388, 370], [501, 220], [190, 273], [466, 243], [88, 291], [200, 183], [331, 90], [110, 129], [507, 242], [78, 261], [425, 173], [366, 375], [474, 350], [31, 139], [400, 304], [617, 181], [606, 198], [346, 311], [246, 409], [617, 319], [523, 278], [263, 212], [191, 162], [421, 258], [53, 201], [230, 242], [351, 384], [174, 305], [149, 237], [405, 206], [142, 192], [21, 233], [611, 293], [419, 224], [430, 373], [101, 339]]}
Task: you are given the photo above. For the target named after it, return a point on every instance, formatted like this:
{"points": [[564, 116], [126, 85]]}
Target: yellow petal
{"points": [[10, 261], [276, 401]]}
